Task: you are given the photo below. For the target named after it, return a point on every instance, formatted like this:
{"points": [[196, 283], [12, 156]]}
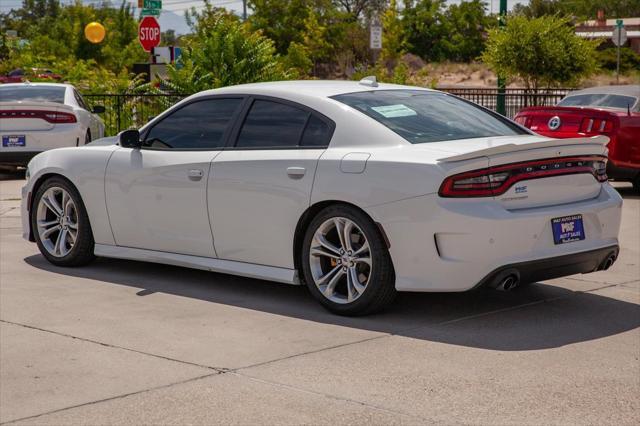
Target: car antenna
{"points": [[369, 81]]}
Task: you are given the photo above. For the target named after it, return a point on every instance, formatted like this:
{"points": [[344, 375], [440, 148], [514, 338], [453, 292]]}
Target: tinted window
{"points": [[421, 116], [198, 125], [80, 100], [32, 93], [604, 100], [272, 124], [317, 133]]}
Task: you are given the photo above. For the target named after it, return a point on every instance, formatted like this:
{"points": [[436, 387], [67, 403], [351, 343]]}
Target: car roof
{"points": [[307, 88], [627, 90]]}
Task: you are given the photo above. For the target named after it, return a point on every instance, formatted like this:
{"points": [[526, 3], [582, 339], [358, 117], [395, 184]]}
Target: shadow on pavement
{"points": [[553, 316], [627, 192]]}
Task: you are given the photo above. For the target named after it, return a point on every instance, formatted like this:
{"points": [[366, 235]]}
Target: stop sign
{"points": [[149, 33]]}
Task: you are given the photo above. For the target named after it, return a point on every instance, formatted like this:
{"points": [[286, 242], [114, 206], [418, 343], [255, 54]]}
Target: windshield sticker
{"points": [[393, 111]]}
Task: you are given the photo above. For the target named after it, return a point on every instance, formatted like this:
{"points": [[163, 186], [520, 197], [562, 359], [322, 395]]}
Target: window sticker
{"points": [[393, 111]]}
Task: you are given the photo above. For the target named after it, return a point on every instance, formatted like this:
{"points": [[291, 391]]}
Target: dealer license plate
{"points": [[567, 229], [14, 140]]}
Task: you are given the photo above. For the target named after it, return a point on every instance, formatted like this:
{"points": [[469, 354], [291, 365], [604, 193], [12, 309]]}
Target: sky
{"points": [[168, 20]]}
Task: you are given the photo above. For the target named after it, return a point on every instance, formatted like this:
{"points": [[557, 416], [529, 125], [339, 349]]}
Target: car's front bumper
{"points": [[440, 244]]}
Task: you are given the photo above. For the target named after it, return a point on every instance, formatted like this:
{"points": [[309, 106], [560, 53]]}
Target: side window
{"points": [[198, 125], [80, 100], [317, 133], [272, 124]]}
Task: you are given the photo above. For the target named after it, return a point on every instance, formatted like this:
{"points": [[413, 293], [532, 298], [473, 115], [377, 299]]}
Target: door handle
{"points": [[296, 172], [195, 174]]}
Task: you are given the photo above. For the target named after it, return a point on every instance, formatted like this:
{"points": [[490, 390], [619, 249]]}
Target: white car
{"points": [[357, 190], [35, 117]]}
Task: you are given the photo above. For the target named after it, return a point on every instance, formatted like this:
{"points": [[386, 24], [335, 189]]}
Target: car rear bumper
{"points": [[440, 244], [561, 266], [17, 158]]}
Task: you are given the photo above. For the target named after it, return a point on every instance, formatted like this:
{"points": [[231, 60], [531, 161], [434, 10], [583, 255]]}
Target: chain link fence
{"points": [[124, 111]]}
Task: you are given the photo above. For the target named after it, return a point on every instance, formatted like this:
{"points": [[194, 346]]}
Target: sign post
{"points": [[501, 106], [149, 33], [375, 37], [619, 38]]}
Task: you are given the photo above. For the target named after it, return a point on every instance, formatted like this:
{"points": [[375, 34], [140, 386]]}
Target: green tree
{"points": [[280, 20], [223, 51], [426, 26], [542, 52], [467, 22], [393, 35]]}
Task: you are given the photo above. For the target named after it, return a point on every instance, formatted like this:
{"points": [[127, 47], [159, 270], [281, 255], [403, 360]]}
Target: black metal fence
{"points": [[125, 111]]}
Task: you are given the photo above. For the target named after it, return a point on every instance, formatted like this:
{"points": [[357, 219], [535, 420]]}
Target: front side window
{"points": [[198, 125], [602, 100], [421, 116]]}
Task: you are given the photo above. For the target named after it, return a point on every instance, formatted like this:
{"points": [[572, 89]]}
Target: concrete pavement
{"points": [[122, 342]]}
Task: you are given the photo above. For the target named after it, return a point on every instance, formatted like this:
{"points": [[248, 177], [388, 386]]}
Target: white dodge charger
{"points": [[357, 190], [35, 117]]}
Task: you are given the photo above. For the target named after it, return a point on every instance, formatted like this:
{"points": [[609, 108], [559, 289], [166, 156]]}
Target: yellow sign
{"points": [[94, 32]]}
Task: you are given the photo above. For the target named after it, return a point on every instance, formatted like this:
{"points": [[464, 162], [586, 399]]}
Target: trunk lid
{"points": [[568, 122], [14, 116], [564, 178]]}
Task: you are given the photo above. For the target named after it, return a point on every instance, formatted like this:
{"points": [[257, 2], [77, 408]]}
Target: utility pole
{"points": [[244, 10], [500, 102]]}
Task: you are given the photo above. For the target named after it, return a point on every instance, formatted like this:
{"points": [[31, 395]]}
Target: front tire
{"points": [[346, 263], [636, 184], [60, 224]]}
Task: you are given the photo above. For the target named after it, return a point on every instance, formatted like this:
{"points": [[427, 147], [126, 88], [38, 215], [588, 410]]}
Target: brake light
{"points": [[523, 120], [595, 125], [497, 180], [49, 116]]}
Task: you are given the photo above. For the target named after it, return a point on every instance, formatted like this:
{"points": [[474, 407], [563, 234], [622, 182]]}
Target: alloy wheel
{"points": [[340, 260], [57, 221]]}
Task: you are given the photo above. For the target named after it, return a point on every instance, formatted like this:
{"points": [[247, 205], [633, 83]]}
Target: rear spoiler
{"points": [[595, 141], [55, 106]]}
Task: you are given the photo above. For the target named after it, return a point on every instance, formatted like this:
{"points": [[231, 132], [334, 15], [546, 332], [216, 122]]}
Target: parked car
{"points": [[35, 117], [357, 190], [18, 75], [613, 111]]}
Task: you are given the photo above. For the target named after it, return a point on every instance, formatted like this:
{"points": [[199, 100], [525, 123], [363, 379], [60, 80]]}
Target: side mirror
{"points": [[98, 109], [129, 139]]}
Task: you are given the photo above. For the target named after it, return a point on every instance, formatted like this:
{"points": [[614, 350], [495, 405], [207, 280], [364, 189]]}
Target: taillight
{"points": [[497, 180], [595, 125], [523, 120], [49, 116]]}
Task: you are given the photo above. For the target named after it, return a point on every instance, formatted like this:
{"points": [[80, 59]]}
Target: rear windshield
{"points": [[604, 100], [420, 116], [32, 93]]}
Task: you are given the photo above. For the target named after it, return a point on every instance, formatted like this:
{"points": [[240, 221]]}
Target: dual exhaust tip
{"points": [[510, 279]]}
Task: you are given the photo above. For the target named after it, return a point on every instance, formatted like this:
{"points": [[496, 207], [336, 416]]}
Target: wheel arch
{"points": [[305, 221], [40, 180]]}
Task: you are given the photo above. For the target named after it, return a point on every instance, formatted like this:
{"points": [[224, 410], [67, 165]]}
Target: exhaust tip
{"points": [[608, 262], [506, 281]]}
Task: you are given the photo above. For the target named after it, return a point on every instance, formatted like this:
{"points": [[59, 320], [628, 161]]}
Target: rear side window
{"points": [[276, 125], [198, 125], [32, 94], [422, 116], [317, 133]]}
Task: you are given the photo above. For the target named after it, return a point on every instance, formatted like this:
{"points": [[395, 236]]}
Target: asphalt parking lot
{"points": [[121, 342]]}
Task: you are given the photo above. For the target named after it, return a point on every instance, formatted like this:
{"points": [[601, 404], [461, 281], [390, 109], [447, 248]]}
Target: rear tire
{"points": [[636, 184], [60, 224], [87, 137], [346, 264]]}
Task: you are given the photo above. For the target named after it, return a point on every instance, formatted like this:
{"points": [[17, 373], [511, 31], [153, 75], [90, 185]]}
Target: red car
{"points": [[613, 111], [18, 75]]}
